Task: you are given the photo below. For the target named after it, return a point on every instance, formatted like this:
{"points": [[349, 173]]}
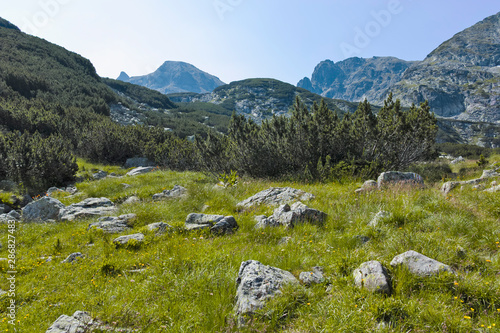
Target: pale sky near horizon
{"points": [[240, 39]]}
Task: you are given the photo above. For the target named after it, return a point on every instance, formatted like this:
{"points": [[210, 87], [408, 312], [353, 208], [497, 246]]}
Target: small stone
{"points": [[314, 277], [132, 200], [100, 175], [419, 264], [275, 196], [372, 276], [72, 257], [448, 186], [159, 227], [124, 240], [177, 192], [379, 217], [225, 226]]}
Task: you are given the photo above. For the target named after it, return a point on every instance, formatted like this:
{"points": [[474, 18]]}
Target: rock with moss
{"points": [[419, 264], [275, 196], [257, 283], [46, 208], [373, 277]]}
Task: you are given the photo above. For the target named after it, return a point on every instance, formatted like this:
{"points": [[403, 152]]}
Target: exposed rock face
{"points": [[124, 240], [176, 77], [275, 196], [42, 210], [139, 171], [256, 283], [373, 276], [355, 79], [177, 192], [289, 216], [314, 277], [396, 177], [419, 264], [87, 208], [114, 225]]}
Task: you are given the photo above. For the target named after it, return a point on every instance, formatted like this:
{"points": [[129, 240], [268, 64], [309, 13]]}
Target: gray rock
{"points": [[379, 217], [419, 264], [139, 171], [314, 277], [458, 160], [132, 200], [53, 190], [275, 196], [114, 225], [201, 221], [4, 209], [138, 162], [370, 185], [291, 215], [177, 192], [90, 207], [490, 174], [71, 189], [80, 322], [159, 227], [225, 226], [373, 276], [448, 186], [100, 175], [396, 177], [256, 283], [42, 210], [124, 240], [11, 216], [72, 257], [493, 189], [285, 240], [7, 185]]}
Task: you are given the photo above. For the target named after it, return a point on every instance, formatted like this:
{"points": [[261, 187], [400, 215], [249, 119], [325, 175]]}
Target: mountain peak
{"points": [[123, 77], [177, 77]]}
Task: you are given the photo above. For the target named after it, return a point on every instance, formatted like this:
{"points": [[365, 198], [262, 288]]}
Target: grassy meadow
{"points": [[186, 281]]}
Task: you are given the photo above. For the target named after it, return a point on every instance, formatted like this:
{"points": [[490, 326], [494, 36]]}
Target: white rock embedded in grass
{"points": [[42, 210], [73, 257], [114, 225], [90, 207], [256, 283], [373, 277], [124, 240], [290, 216], [379, 217], [158, 227], [140, 171], [80, 322], [275, 196], [419, 264], [314, 277]]}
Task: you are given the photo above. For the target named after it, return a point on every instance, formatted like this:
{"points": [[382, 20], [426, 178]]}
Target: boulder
{"points": [[396, 177], [177, 192], [114, 225], [256, 283], [11, 216], [448, 186], [99, 175], [72, 257], [314, 277], [225, 226], [159, 227], [138, 162], [201, 221], [419, 264], [291, 215], [373, 276], [275, 196], [90, 207], [139, 171], [80, 322], [42, 210], [124, 240], [379, 217]]}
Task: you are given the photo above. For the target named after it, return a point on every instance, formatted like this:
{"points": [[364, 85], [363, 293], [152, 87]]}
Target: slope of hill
{"points": [[175, 77], [355, 79]]}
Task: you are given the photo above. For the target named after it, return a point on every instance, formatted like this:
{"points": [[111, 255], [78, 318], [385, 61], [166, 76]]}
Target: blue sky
{"points": [[239, 39]]}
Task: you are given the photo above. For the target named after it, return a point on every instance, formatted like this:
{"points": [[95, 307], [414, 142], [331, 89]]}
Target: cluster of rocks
{"points": [[289, 216], [257, 283], [392, 178], [477, 183]]}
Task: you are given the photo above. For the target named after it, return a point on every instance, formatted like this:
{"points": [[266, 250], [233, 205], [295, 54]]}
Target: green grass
{"points": [[189, 282]]}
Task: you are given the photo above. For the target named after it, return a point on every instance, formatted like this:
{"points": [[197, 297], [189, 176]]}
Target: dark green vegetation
{"points": [[320, 145]]}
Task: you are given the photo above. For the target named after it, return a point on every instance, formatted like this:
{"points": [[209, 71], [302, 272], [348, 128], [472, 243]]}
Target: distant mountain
{"points": [[461, 78], [175, 77], [355, 79], [260, 98]]}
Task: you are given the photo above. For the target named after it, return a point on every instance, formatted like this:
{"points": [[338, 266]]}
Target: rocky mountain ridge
{"points": [[175, 77]]}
